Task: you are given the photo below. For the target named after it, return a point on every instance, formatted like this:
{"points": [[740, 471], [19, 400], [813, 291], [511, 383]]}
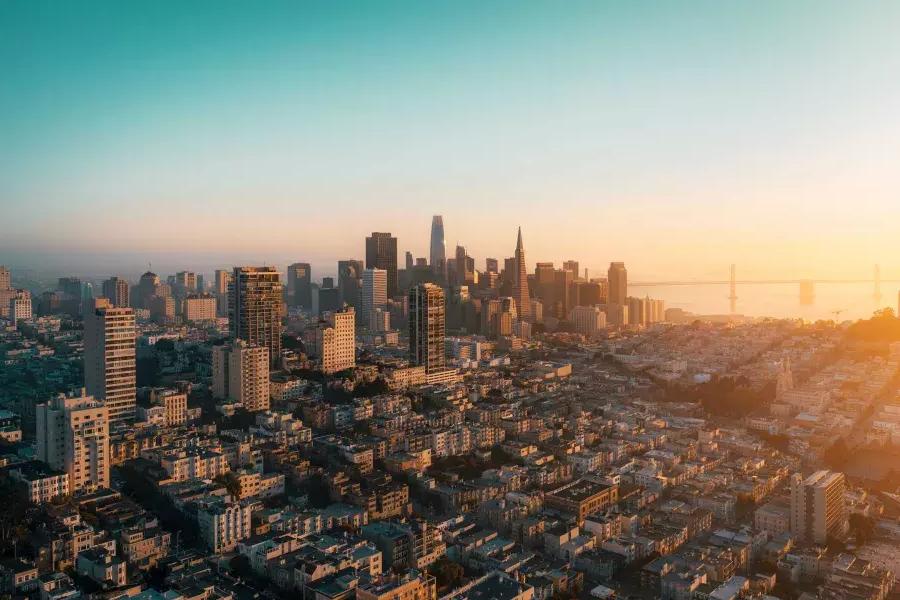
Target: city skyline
{"points": [[766, 140]]}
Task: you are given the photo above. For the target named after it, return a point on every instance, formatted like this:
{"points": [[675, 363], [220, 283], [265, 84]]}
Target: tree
{"points": [[447, 573]]}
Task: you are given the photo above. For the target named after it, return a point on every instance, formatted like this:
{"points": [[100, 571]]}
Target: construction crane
{"points": [[837, 313]]}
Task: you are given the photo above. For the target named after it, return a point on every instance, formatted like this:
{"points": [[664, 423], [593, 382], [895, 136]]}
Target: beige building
{"points": [[241, 373], [818, 509], [20, 306], [109, 359], [174, 404], [72, 436], [588, 320], [336, 341], [199, 307], [411, 586], [255, 308]]}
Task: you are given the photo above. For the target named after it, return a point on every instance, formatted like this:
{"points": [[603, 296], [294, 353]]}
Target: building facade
{"points": [[110, 366]]}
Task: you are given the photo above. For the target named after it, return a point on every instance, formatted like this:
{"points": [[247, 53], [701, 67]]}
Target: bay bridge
{"points": [[806, 286]]}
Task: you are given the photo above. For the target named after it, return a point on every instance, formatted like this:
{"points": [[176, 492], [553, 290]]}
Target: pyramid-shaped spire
{"points": [[519, 246]]}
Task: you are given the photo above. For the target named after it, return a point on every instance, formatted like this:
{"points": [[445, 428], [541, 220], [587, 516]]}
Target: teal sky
{"points": [[677, 136]]}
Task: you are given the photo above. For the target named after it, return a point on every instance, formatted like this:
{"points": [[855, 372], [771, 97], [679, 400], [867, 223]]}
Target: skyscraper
{"points": [[410, 262], [72, 436], [349, 281], [427, 332], [520, 281], [254, 308], [146, 289], [618, 283], [5, 281], [572, 265], [491, 265], [110, 367], [223, 278], [117, 291], [374, 292], [381, 253], [437, 257], [20, 308], [299, 285]]}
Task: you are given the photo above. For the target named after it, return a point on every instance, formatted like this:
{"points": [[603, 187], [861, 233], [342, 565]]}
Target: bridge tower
{"points": [[732, 285], [877, 279]]}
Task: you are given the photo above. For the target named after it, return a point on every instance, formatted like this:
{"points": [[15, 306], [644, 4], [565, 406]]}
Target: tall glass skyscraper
{"points": [[438, 256]]}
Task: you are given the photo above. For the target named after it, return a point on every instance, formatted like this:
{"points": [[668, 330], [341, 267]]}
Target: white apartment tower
{"points": [[20, 306], [72, 436], [817, 506], [241, 373], [374, 291], [109, 359], [336, 341], [588, 320]]}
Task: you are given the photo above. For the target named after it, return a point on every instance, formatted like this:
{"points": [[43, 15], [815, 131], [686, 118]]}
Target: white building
{"points": [[20, 306], [374, 291], [223, 525], [241, 374], [588, 320]]}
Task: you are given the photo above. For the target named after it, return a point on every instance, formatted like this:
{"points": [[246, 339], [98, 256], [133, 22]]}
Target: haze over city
{"points": [[679, 141]]}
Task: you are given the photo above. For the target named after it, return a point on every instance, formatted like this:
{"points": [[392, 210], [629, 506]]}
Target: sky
{"points": [[679, 137]]}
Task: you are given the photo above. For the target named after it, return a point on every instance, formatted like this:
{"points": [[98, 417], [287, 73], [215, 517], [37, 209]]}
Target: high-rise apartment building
{"points": [[818, 510], [299, 282], [220, 290], [374, 292], [5, 280], [20, 306], [381, 253], [255, 308], [110, 364], [617, 277], [336, 341], [73, 436], [241, 374], [437, 256], [520, 281], [427, 333], [349, 281], [638, 309], [117, 291]]}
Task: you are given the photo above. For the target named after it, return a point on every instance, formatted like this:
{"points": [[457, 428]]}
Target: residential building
{"points": [[118, 291], [381, 253], [818, 509], [336, 341], [109, 359], [374, 292], [199, 307], [241, 374], [427, 332], [255, 308]]}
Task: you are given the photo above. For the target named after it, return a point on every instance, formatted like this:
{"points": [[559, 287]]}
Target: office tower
{"points": [[325, 299], [618, 283], [520, 281], [491, 265], [336, 341], [817, 506], [199, 307], [381, 253], [637, 311], [563, 286], [537, 311], [427, 333], [70, 286], [587, 320], [380, 320], [506, 317], [437, 256], [572, 265], [220, 290], [374, 292], [20, 306], [241, 374], [109, 359], [117, 290], [162, 309], [299, 285], [201, 284], [588, 294], [186, 281], [409, 261], [421, 263], [254, 308], [489, 311], [72, 436], [349, 281], [146, 289], [5, 279], [617, 314]]}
